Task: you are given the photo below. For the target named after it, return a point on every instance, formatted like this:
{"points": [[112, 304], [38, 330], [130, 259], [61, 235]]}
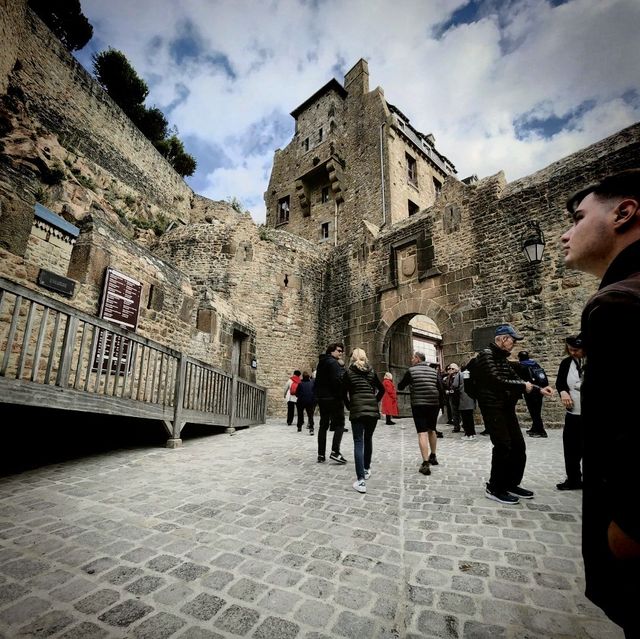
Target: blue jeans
{"points": [[362, 430]]}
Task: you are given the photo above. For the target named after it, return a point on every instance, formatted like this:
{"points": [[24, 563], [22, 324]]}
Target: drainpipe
{"points": [[384, 206], [335, 222]]}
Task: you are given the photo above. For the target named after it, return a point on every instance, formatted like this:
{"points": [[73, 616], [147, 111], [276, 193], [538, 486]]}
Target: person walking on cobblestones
{"points": [[306, 402], [290, 395], [530, 371], [328, 388], [604, 241], [390, 400], [362, 393], [427, 400], [568, 384], [498, 391]]}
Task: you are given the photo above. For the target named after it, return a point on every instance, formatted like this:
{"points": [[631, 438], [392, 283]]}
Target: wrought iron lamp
{"points": [[533, 242]]}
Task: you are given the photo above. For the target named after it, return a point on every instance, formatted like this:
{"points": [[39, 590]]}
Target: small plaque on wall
{"points": [[57, 283]]}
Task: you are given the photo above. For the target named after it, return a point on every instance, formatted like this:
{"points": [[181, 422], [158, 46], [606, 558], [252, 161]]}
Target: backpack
{"points": [[293, 390], [470, 383], [538, 376]]}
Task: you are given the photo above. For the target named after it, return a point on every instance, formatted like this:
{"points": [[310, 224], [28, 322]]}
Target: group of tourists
{"points": [[600, 431]]}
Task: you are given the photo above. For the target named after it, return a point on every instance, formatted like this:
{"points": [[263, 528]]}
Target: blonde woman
{"points": [[362, 392]]}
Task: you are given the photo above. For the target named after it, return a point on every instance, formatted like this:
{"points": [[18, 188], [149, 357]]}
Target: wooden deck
{"points": [[52, 355]]}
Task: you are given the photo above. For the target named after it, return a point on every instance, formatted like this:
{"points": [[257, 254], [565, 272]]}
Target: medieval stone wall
{"points": [[265, 283], [460, 263], [68, 102]]}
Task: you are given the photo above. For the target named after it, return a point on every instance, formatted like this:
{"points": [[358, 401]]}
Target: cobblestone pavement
{"points": [[247, 535]]}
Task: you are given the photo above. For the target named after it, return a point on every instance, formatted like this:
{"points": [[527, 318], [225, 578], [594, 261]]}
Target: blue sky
{"points": [[508, 85]]}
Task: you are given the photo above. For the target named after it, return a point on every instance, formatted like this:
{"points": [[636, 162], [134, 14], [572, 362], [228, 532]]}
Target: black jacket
{"points": [[306, 392], [610, 327], [498, 384], [328, 376], [362, 392], [426, 385]]}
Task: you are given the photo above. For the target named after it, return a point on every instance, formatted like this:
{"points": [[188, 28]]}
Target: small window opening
{"points": [[320, 133], [286, 279], [437, 185], [324, 231], [325, 194], [412, 169], [305, 144], [413, 208], [283, 210]]}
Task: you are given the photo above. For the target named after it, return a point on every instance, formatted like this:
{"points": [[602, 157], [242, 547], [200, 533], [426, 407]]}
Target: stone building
{"points": [[353, 157], [411, 255]]}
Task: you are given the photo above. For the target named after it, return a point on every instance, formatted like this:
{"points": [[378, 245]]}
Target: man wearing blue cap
{"points": [[498, 391]]}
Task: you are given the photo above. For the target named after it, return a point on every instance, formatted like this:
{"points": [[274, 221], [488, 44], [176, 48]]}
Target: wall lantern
{"points": [[533, 242]]}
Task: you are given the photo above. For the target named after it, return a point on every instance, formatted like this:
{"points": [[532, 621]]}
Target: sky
{"points": [[509, 85]]}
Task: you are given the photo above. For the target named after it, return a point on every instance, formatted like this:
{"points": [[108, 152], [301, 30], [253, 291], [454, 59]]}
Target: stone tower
{"points": [[354, 157]]}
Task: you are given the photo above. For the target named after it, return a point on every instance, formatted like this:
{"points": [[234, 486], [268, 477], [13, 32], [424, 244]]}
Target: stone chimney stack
{"points": [[356, 81]]}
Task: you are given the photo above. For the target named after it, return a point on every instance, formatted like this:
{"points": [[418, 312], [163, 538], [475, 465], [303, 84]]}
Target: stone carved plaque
{"points": [[407, 263], [451, 218]]}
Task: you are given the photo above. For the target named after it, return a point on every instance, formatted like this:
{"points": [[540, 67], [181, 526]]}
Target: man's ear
{"points": [[627, 213]]}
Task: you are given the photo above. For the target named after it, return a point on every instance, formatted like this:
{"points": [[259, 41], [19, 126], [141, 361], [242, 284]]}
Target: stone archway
{"points": [[394, 339], [407, 307]]}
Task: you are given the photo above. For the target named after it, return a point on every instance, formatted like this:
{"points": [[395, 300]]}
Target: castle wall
{"points": [[266, 282], [469, 270], [68, 102]]}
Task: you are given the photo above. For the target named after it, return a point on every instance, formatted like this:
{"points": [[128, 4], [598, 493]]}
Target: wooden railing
{"points": [[54, 355]]}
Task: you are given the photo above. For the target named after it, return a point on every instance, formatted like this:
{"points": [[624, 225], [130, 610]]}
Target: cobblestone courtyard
{"points": [[247, 535]]}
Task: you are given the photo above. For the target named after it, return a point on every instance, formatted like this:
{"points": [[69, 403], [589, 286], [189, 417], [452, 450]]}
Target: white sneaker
{"points": [[367, 473], [360, 486]]}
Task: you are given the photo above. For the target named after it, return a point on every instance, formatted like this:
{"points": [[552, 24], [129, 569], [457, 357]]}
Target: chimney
{"points": [[356, 81]]}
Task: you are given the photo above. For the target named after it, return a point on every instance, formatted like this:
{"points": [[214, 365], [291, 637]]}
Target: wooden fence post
{"points": [[175, 441]]}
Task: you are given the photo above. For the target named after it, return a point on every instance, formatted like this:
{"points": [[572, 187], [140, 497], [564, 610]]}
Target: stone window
{"points": [[283, 210], [320, 134], [324, 231], [325, 194], [412, 170], [305, 144], [437, 186], [413, 208]]}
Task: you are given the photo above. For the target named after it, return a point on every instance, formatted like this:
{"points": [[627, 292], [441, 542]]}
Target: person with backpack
{"points": [[530, 371], [306, 401], [498, 388], [290, 395]]}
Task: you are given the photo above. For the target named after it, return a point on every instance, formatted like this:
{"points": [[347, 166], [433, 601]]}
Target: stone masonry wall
{"points": [[470, 271], [69, 103], [265, 280]]}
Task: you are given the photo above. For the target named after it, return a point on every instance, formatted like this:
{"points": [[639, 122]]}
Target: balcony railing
{"points": [[55, 356]]}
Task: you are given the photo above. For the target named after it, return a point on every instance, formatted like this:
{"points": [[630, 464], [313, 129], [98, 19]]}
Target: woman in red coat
{"points": [[389, 406]]}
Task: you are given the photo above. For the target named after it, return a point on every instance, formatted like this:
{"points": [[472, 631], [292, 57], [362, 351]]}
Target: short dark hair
{"points": [[297, 372], [332, 347], [522, 355], [623, 184]]}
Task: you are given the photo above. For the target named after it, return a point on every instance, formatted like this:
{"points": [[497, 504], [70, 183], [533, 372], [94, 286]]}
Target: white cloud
{"points": [[468, 86]]}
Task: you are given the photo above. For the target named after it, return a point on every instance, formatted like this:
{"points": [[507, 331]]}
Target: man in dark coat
{"points": [[605, 241], [328, 389], [498, 391]]}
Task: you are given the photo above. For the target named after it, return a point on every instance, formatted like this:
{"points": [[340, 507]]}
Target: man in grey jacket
{"points": [[426, 402]]}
